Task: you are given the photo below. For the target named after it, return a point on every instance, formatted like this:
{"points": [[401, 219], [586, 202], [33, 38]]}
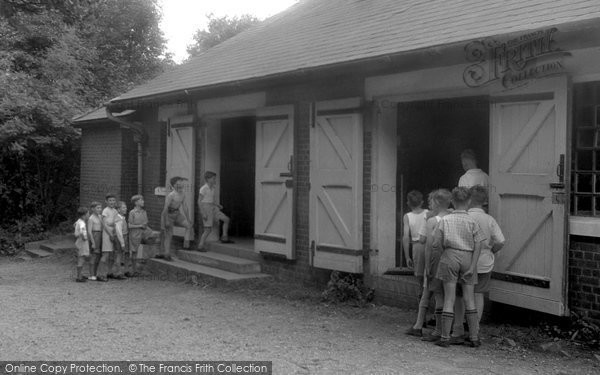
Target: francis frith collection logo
{"points": [[515, 62]]}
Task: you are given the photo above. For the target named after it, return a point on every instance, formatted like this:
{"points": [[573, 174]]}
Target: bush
{"points": [[347, 288], [13, 237], [577, 329]]}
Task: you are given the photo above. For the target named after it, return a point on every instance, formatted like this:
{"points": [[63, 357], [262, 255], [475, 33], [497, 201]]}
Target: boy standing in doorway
{"points": [[210, 210], [175, 212], [473, 175]]}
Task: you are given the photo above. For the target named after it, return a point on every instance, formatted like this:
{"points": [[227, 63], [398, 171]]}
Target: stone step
{"points": [[38, 253], [35, 245], [182, 271], [220, 261], [239, 250], [61, 247]]}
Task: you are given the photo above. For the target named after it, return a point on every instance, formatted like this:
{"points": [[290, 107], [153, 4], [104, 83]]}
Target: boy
{"points": [[413, 222], [172, 215], [461, 238], [94, 228], [210, 210], [439, 203], [121, 242], [473, 175], [81, 242], [138, 232], [109, 217]]}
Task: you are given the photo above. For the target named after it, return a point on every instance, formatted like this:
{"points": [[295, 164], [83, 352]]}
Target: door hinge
{"points": [[312, 248]]}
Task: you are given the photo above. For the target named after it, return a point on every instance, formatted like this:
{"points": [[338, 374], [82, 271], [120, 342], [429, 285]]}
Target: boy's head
{"points": [[177, 182], [460, 197], [468, 159], [210, 177], [122, 208], [111, 200], [137, 200], [442, 199], [414, 199], [479, 196], [431, 199], [96, 207], [83, 213]]}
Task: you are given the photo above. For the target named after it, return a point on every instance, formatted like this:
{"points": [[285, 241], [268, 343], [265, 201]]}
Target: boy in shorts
{"points": [[81, 242], [138, 232], [211, 211], [94, 227], [121, 232], [175, 212], [461, 238], [109, 217]]}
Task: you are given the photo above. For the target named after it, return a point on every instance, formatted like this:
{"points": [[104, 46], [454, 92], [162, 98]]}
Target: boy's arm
{"points": [[473, 268], [428, 243], [105, 227], [163, 214], [200, 197], [90, 234], [497, 237], [186, 211], [406, 241], [119, 230]]}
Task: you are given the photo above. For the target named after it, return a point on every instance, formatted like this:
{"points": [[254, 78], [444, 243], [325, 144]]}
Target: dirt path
{"points": [[47, 316]]}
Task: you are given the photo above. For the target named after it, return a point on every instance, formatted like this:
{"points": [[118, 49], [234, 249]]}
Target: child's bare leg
{"points": [[471, 312], [203, 237], [423, 307], [479, 304], [133, 260], [226, 221], [168, 238], [117, 268], [458, 329], [80, 261], [97, 257], [103, 266], [92, 265]]}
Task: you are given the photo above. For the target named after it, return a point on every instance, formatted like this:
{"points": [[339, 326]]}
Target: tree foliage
{"points": [[219, 30], [59, 59]]}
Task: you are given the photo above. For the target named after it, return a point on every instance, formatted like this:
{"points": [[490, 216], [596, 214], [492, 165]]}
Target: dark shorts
{"points": [[98, 241], [483, 282], [453, 265], [435, 285]]}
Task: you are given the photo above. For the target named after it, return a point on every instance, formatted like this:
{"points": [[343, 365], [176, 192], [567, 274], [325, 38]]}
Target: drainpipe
{"points": [[138, 138]]}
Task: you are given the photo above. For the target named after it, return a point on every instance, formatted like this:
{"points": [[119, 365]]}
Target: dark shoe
{"points": [[120, 277], [81, 279], [414, 332], [202, 249], [431, 338], [457, 340], [475, 343], [227, 241], [444, 343], [110, 276], [128, 274], [168, 258], [159, 256], [101, 278]]}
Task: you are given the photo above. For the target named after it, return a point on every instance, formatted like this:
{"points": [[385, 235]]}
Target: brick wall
{"points": [[128, 167], [584, 276], [100, 162]]}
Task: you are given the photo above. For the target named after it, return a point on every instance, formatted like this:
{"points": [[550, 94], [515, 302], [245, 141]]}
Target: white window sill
{"points": [[161, 191], [584, 226]]}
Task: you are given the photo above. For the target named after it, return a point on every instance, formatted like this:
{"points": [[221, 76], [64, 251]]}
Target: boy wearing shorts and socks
{"points": [[138, 232], [461, 238], [121, 242], [440, 203], [109, 217], [211, 211], [94, 228], [175, 212], [81, 242]]}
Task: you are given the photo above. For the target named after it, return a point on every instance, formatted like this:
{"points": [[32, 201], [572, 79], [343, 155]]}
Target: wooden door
{"points": [[335, 203], [181, 154], [274, 185], [528, 197]]}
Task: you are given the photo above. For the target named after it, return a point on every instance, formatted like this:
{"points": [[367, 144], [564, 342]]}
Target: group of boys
{"points": [[107, 239], [453, 255]]}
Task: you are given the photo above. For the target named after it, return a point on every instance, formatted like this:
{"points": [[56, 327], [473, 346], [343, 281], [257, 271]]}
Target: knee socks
{"points": [[438, 323], [447, 319], [473, 322]]}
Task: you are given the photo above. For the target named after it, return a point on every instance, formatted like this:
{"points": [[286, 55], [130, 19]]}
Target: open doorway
{"points": [[431, 136], [238, 157]]}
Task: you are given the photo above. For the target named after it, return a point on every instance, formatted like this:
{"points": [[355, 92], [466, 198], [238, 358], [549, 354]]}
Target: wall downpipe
{"points": [[138, 138]]}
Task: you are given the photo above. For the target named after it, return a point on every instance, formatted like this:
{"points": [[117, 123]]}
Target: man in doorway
{"points": [[473, 175]]}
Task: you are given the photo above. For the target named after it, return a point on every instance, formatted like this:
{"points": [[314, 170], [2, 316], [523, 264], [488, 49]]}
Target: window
{"points": [[585, 182]]}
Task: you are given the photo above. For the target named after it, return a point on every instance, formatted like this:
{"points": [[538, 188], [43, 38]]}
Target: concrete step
{"points": [[35, 245], [220, 261], [59, 247], [182, 271], [239, 250], [38, 253]]}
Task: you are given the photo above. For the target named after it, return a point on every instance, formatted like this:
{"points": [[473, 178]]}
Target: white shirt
{"points": [[492, 231], [416, 222], [474, 177], [208, 194]]}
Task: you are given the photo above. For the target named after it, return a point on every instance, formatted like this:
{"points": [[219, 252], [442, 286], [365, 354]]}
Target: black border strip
{"points": [[521, 280], [264, 237], [341, 250], [272, 118]]}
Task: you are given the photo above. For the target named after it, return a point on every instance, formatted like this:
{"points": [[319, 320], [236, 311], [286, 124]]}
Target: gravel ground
{"points": [[47, 316]]}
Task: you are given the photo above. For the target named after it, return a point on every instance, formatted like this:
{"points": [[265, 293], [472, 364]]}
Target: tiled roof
{"points": [[99, 114], [316, 33]]}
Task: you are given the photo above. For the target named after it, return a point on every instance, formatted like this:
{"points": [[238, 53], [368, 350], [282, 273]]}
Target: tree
{"points": [[219, 29], [59, 59]]}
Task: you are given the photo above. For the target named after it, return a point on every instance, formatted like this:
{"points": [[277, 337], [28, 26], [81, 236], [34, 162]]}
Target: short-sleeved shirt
{"points": [[416, 222], [138, 217], [208, 194], [494, 235], [460, 231], [111, 216], [82, 244], [474, 177]]}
